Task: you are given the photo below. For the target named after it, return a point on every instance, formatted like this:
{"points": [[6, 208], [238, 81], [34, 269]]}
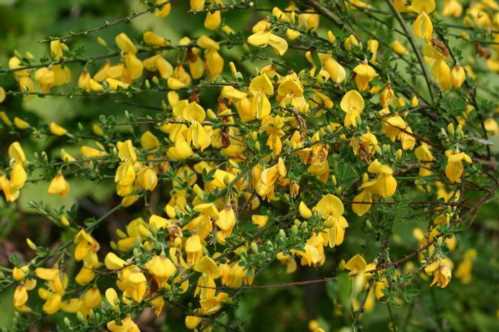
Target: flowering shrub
{"points": [[250, 146]]}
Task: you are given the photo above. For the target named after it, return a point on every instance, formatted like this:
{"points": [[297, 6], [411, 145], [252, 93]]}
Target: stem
{"points": [[410, 38], [331, 15], [408, 316], [393, 323]]}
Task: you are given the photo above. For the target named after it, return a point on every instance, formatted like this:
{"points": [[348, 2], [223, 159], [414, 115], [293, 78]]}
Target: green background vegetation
{"points": [[472, 307]]}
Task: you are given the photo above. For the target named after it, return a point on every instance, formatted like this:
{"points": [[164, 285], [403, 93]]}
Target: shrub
{"points": [[268, 135]]}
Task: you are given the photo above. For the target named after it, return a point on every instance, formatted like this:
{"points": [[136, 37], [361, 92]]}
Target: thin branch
{"points": [[410, 38]]}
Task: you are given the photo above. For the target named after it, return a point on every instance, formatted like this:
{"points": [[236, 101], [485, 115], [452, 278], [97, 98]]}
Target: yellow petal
{"points": [[58, 186], [149, 141], [161, 267], [113, 262], [150, 38], [207, 266], [213, 20], [420, 6], [335, 70], [278, 43], [352, 102], [363, 205], [181, 150], [57, 130], [329, 205], [125, 44], [422, 27], [305, 212]]}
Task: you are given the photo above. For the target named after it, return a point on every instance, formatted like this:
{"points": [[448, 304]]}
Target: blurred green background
{"points": [[471, 307]]}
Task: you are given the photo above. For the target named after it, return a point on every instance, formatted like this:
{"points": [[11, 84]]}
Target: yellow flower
{"points": [[313, 253], [57, 49], [455, 168], [18, 176], [86, 248], [398, 47], [87, 83], [125, 175], [113, 262], [213, 20], [234, 275], [180, 151], [125, 44], [200, 136], [465, 268], [384, 184], [161, 268], [58, 186], [314, 326], [163, 10], [458, 76], [352, 104], [2, 94], [90, 152], [365, 146], [452, 8], [133, 283], [214, 64], [19, 273], [126, 325], [396, 128], [261, 84], [491, 126], [420, 6], [152, 39], [309, 21], [422, 27], [264, 39], [292, 34], [350, 42], [20, 298], [373, 46], [305, 212], [226, 221], [20, 123], [288, 260], [259, 220], [229, 92], [193, 249], [133, 67], [443, 76], [90, 300], [441, 269], [265, 181], [335, 70], [207, 43], [329, 206], [147, 179], [197, 5], [364, 74], [424, 155], [112, 297], [46, 78], [362, 202], [85, 276], [16, 153], [56, 129], [358, 265], [207, 266], [191, 322]]}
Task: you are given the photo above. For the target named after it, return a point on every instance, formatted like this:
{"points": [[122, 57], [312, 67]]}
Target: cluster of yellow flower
{"points": [[246, 150]]}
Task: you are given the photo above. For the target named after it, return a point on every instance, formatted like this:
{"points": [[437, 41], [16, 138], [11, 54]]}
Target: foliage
{"points": [[245, 165]]}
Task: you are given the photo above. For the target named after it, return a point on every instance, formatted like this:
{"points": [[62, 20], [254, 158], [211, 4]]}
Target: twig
{"points": [[410, 38]]}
